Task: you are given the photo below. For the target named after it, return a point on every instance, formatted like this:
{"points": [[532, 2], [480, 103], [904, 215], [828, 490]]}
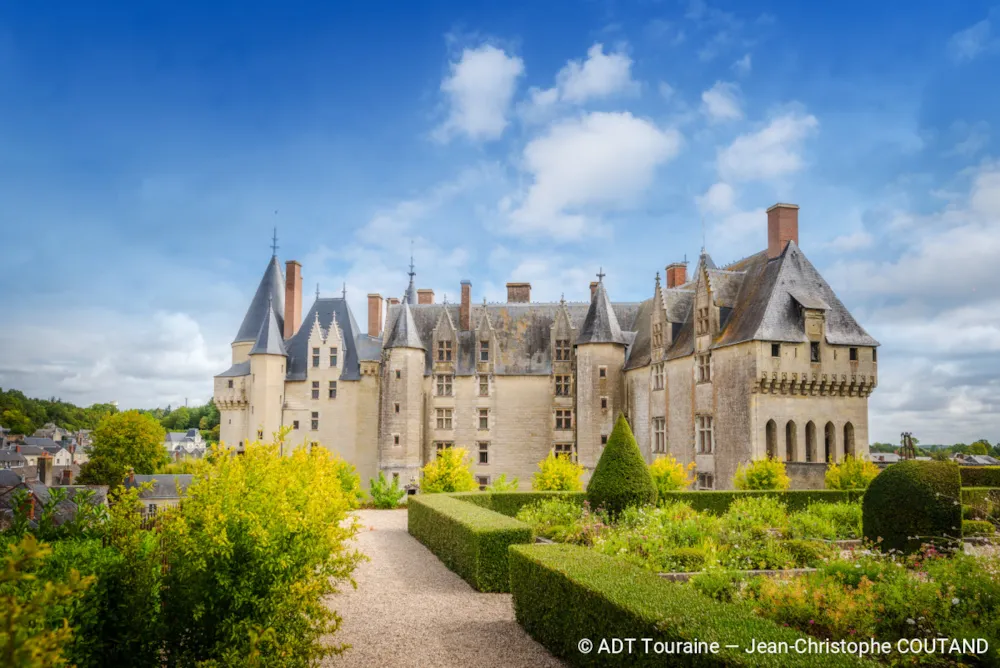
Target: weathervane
{"points": [[345, 289], [601, 274], [274, 242], [317, 291]]}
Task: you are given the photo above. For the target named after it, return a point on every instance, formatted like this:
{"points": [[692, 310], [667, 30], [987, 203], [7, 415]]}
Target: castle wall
{"points": [[593, 421]]}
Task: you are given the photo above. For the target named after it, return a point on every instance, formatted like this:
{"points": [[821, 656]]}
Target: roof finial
{"points": [[562, 298], [274, 242], [317, 291], [412, 273], [703, 243], [600, 275], [657, 279], [345, 289]]}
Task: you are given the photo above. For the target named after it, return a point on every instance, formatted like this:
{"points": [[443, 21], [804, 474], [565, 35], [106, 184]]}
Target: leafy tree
{"points": [[500, 484], [448, 472], [851, 474], [670, 475], [26, 641], [17, 422], [384, 495], [177, 420], [980, 447], [123, 441], [557, 473], [762, 474], [621, 478], [350, 482]]}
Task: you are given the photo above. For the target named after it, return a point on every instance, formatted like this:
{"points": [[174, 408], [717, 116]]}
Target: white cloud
{"points": [[975, 138], [666, 90], [972, 42], [743, 65], [719, 198], [721, 102], [851, 242], [771, 152], [601, 75], [479, 88], [597, 160]]}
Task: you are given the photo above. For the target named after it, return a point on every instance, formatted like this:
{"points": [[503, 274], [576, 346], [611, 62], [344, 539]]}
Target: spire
{"points": [[411, 291], [270, 295], [317, 291], [274, 242], [601, 324], [657, 280], [269, 340], [404, 331]]}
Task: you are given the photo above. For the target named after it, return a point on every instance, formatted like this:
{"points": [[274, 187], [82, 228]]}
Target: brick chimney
{"points": [[67, 477], [676, 274], [374, 314], [293, 298], [518, 293], [782, 227], [465, 308], [425, 296], [593, 289], [45, 469]]}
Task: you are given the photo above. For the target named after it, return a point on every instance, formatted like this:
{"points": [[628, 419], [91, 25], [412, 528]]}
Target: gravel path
{"points": [[410, 610]]}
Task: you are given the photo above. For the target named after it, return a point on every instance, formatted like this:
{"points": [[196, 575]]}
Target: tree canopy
{"points": [[123, 441]]}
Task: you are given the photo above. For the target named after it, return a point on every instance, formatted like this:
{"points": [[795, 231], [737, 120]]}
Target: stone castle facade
{"points": [[756, 359]]}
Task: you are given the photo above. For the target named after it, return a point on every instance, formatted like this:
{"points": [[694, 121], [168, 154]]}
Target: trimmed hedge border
{"points": [[470, 540], [718, 502], [980, 476], [564, 593], [510, 503]]}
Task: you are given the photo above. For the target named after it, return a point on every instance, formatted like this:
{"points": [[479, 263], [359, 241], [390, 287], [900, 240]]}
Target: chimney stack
{"points": [[465, 308], [676, 274], [593, 289], [374, 314], [782, 227], [45, 469], [425, 296], [293, 298], [67, 477], [518, 293]]}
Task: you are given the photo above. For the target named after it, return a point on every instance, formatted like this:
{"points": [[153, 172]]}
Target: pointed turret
{"points": [[404, 331], [410, 296], [269, 297], [269, 340], [601, 324]]}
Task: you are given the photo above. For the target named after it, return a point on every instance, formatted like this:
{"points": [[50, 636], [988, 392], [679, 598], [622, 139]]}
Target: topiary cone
{"points": [[622, 478]]}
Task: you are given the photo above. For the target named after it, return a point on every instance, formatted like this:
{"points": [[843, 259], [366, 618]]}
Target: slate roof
{"points": [[31, 450], [270, 293], [240, 369], [326, 309], [522, 331], [269, 337], [600, 325], [404, 330], [165, 486], [11, 477], [39, 441]]}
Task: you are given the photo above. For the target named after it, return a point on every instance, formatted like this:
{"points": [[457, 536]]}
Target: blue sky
{"points": [[147, 152]]}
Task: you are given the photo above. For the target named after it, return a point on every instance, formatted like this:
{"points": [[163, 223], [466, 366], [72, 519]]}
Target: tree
{"points": [[124, 441], [448, 472], [178, 420], [980, 447], [557, 473], [17, 422], [621, 478]]}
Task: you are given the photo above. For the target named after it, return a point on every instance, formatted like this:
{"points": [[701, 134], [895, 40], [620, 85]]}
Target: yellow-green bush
{"points": [[557, 473], [762, 474], [851, 474], [448, 472], [670, 475]]}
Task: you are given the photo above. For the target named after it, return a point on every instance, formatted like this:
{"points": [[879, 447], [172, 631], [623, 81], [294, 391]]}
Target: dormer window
{"points": [[315, 358], [814, 352], [333, 357], [658, 335], [444, 351], [703, 320], [562, 350], [484, 351]]}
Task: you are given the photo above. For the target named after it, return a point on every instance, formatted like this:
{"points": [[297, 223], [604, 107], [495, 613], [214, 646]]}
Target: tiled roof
{"points": [[404, 330], [164, 486], [600, 325], [269, 337], [270, 292]]}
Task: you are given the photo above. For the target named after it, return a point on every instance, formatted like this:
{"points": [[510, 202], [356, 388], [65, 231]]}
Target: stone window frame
{"points": [[315, 390], [564, 448], [815, 354], [441, 446], [704, 367], [230, 383], [564, 382], [564, 353], [444, 384], [484, 350], [602, 371], [444, 350], [399, 374], [657, 334], [314, 421], [875, 355], [315, 357], [775, 350], [395, 440], [702, 321], [705, 481], [295, 425], [444, 419], [484, 419], [332, 390], [853, 354], [483, 481], [333, 356], [564, 419], [704, 427], [659, 429], [604, 403], [659, 376], [484, 452], [484, 386], [395, 407], [604, 439]]}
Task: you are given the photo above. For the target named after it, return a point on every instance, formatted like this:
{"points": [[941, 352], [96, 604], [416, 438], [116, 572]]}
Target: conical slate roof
{"points": [[269, 340], [601, 324], [404, 332], [270, 295]]}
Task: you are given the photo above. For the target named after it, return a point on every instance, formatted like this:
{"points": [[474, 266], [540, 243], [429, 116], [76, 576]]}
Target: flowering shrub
{"points": [[670, 475], [501, 484], [563, 521], [827, 521], [762, 474], [448, 472], [557, 473], [851, 474]]}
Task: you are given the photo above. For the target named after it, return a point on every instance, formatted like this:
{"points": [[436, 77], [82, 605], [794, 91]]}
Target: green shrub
{"points": [[978, 528], [829, 521], [470, 540], [448, 472], [563, 593], [502, 485], [621, 478], [557, 473], [385, 496], [558, 519], [851, 474], [670, 475], [689, 559], [980, 503], [914, 502], [717, 584], [980, 476], [809, 553], [718, 502], [762, 474], [350, 482]]}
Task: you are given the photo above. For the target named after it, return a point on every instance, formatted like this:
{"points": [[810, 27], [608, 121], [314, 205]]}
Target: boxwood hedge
{"points": [[470, 540], [510, 503], [912, 503], [980, 503], [980, 476], [718, 503], [565, 593]]}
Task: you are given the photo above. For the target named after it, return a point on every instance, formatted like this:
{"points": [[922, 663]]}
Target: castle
{"points": [[756, 359]]}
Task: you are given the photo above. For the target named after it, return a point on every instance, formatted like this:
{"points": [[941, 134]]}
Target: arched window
{"points": [[849, 440], [810, 441], [830, 443], [790, 439], [771, 433]]}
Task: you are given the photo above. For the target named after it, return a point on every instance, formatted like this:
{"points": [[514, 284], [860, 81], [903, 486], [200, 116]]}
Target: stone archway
{"points": [[830, 443], [849, 448]]}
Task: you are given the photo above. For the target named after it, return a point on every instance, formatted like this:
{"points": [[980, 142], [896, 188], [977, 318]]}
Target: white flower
{"points": [[954, 601], [910, 621]]}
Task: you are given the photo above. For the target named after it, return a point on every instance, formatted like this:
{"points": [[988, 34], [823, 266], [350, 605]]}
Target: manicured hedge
{"points": [[564, 593], [978, 528], [912, 503], [470, 540], [718, 503], [621, 478], [980, 476], [980, 502], [510, 503]]}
